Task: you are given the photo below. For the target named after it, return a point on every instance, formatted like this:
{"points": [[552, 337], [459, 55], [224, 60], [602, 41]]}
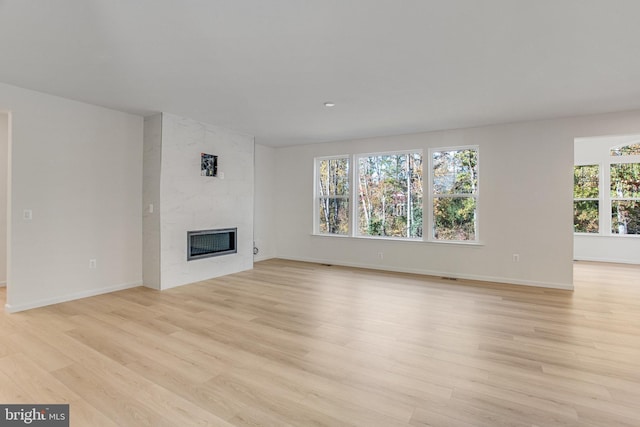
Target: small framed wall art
{"points": [[208, 165]]}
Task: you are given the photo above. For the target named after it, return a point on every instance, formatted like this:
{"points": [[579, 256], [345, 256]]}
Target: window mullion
{"points": [[355, 194]]}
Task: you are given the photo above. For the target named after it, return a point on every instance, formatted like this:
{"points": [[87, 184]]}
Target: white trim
{"points": [[314, 194], [611, 260], [601, 190], [612, 235], [69, 297], [503, 280], [338, 156], [339, 236], [354, 192], [615, 236], [611, 199], [613, 160], [389, 153], [405, 239], [604, 205]]}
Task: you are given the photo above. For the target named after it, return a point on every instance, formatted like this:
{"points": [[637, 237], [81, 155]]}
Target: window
{"points": [[625, 198], [454, 175], [606, 200], [586, 190], [387, 190], [626, 150], [390, 195], [332, 191]]}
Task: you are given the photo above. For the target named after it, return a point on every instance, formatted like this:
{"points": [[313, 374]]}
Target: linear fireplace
{"points": [[209, 243]]}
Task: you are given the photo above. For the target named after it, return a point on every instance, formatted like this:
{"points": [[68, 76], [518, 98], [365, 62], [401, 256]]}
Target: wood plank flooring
{"points": [[299, 344]]}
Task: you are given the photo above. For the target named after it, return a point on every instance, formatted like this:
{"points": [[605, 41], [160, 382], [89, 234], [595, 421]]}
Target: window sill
{"points": [[399, 239], [622, 236]]}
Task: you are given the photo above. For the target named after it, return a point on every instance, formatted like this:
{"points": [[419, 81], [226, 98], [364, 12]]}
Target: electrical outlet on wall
{"points": [[93, 263]]}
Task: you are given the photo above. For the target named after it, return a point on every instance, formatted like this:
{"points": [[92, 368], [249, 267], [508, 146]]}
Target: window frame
{"points": [[605, 200], [356, 180], [432, 196], [427, 196], [616, 160], [316, 195], [599, 199]]}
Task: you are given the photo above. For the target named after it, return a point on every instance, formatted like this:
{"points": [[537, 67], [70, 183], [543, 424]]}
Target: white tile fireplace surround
{"points": [[185, 201]]}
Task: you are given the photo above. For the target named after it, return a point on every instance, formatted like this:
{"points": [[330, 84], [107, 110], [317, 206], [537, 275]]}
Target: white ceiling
{"points": [[265, 67]]}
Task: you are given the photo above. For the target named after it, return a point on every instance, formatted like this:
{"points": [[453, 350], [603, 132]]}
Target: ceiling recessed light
{"points": [[329, 104]]}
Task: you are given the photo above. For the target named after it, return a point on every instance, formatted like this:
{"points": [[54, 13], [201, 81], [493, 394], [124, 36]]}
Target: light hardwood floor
{"points": [[297, 344]]}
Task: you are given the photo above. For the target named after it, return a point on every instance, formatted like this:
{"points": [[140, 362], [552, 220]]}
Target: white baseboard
{"points": [[611, 260], [506, 280], [258, 258], [3, 284], [69, 297]]}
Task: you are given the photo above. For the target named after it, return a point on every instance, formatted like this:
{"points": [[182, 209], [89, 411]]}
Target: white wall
{"points": [[603, 247], [152, 159], [78, 167], [4, 162], [189, 201], [618, 249], [265, 209], [525, 205]]}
